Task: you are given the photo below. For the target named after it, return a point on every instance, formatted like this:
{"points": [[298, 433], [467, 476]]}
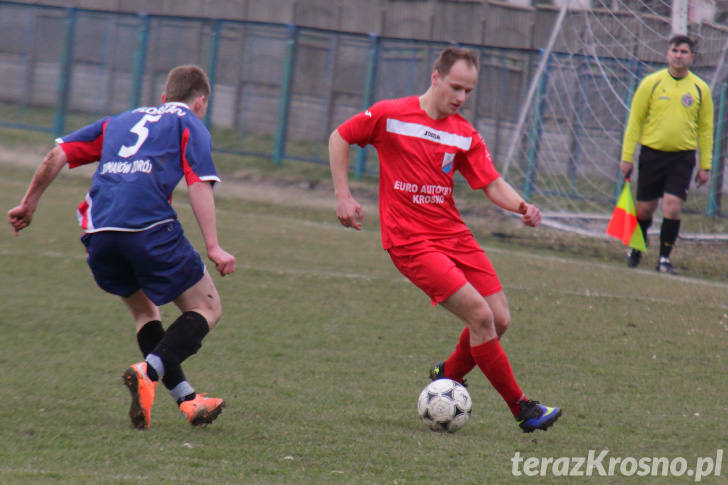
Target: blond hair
{"points": [[449, 56]]}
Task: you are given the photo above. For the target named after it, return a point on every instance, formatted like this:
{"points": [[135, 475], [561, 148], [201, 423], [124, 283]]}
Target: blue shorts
{"points": [[160, 261]]}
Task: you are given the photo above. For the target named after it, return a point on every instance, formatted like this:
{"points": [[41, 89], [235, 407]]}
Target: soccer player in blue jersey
{"points": [[135, 244]]}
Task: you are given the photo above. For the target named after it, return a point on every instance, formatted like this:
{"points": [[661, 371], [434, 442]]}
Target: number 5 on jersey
{"points": [[142, 133]]}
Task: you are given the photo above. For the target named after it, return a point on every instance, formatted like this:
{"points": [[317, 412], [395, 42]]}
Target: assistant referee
{"points": [[671, 116]]}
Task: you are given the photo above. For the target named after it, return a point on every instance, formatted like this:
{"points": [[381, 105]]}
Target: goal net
{"points": [[565, 155]]}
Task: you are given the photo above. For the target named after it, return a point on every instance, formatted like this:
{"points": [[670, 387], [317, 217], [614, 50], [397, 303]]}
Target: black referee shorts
{"points": [[664, 172]]}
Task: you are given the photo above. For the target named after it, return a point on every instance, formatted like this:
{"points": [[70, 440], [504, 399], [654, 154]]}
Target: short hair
{"points": [[683, 39], [449, 56], [185, 83]]}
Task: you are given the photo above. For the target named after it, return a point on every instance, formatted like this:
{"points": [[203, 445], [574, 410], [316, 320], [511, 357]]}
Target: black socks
{"points": [[182, 339], [644, 225], [668, 236], [148, 337]]}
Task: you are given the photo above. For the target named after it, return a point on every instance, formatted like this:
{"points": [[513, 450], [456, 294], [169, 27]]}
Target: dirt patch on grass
{"points": [[703, 259], [247, 185]]}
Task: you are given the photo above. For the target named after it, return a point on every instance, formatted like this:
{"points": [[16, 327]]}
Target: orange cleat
{"points": [[142, 390], [202, 410]]}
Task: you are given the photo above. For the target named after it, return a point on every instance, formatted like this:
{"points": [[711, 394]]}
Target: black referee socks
{"points": [[668, 236]]}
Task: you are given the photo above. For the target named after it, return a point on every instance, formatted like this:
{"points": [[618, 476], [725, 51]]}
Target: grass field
{"points": [[323, 349]]}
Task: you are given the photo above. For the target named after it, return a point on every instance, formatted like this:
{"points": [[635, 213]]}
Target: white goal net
{"points": [[565, 155]]}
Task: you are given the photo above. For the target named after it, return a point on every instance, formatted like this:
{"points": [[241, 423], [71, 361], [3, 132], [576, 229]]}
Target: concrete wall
{"points": [[330, 68], [465, 21]]}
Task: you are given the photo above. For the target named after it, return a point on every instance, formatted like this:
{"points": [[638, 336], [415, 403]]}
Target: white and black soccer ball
{"points": [[444, 405]]}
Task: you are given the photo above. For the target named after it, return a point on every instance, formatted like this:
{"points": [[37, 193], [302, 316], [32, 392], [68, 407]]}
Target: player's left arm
{"points": [[202, 201], [20, 217], [705, 136], [504, 196]]}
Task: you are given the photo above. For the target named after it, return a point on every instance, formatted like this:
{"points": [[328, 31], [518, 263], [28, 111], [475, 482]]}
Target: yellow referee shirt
{"points": [[671, 115]]}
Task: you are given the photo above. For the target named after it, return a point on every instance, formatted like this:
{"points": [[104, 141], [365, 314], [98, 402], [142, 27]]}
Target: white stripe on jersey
{"points": [[210, 178], [427, 133], [126, 229], [79, 215]]}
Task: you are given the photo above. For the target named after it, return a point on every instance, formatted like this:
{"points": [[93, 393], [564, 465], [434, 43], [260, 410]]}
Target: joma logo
{"points": [[432, 135]]}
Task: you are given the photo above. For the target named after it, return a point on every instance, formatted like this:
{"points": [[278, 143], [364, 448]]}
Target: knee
{"points": [[213, 315], [671, 206], [502, 322], [672, 211], [211, 309], [482, 318]]}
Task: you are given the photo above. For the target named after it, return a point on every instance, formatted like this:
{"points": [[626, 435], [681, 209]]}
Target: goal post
{"points": [[566, 142]]}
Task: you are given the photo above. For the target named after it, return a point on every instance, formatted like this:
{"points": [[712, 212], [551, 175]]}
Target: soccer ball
{"points": [[444, 405]]}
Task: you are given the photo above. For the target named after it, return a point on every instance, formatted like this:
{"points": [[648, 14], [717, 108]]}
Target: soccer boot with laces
{"points": [[633, 257], [142, 390], [665, 266], [437, 371], [202, 410], [535, 415]]}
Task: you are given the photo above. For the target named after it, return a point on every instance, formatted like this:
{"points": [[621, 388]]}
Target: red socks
{"points": [[492, 360], [461, 361]]}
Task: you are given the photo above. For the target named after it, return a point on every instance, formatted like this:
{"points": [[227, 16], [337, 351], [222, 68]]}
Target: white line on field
{"points": [[586, 293], [629, 272], [608, 266]]}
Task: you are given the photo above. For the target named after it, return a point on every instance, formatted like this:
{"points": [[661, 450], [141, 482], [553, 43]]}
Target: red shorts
{"points": [[442, 266]]}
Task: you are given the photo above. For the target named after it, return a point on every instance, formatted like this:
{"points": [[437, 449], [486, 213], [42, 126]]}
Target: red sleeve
{"points": [[84, 146], [362, 127], [190, 175], [476, 164]]}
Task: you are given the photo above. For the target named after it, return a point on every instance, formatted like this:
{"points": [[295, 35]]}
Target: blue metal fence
{"points": [[278, 90]]}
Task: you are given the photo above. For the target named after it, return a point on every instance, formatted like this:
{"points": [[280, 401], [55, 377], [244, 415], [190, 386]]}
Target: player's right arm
{"points": [[20, 217], [637, 113], [348, 210]]}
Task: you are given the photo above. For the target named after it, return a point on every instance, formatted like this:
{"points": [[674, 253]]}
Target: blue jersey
{"points": [[142, 155]]}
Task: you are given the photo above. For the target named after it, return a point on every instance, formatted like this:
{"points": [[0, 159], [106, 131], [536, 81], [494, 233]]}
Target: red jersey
{"points": [[418, 156]]}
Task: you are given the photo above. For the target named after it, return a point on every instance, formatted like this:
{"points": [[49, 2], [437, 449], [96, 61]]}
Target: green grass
{"points": [[323, 349]]}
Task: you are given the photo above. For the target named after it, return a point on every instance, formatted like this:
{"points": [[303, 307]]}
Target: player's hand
{"points": [[349, 212], [626, 168], [531, 214], [224, 261], [19, 217], [702, 177]]}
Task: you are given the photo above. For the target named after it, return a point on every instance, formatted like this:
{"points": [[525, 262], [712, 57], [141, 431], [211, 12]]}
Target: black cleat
{"points": [[665, 266], [535, 415], [437, 371], [633, 257]]}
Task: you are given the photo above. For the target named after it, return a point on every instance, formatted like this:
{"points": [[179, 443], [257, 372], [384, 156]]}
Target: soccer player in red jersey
{"points": [[421, 141]]}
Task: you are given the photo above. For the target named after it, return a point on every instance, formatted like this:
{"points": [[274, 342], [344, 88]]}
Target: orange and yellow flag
{"points": [[623, 225]]}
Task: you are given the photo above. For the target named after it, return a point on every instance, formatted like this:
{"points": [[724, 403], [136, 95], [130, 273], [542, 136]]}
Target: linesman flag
{"points": [[623, 225]]}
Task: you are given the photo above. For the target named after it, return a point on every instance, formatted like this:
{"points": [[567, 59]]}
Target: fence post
{"points": [[140, 62], [285, 96], [534, 138], [583, 75], [368, 97], [716, 188], [212, 68], [65, 68]]}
